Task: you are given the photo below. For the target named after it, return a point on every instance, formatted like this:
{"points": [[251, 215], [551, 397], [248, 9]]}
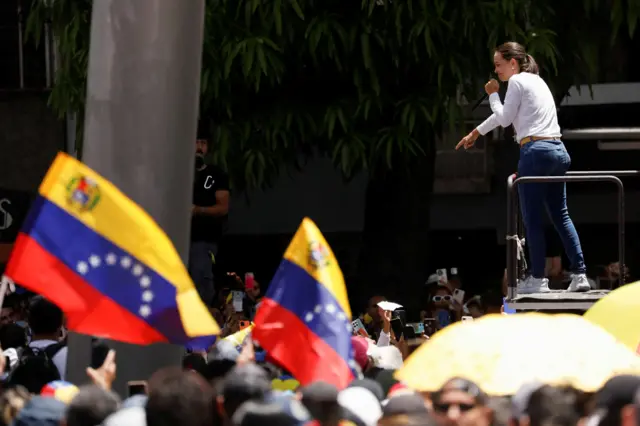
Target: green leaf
{"points": [[277, 15], [296, 7]]}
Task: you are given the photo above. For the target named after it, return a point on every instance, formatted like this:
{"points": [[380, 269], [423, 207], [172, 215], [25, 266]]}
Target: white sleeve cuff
{"points": [[487, 125]]}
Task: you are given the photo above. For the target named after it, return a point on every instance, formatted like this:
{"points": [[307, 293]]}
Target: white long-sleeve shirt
{"points": [[528, 105]]}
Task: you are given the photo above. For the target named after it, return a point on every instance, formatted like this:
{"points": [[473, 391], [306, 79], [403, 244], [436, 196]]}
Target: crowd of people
{"points": [[336, 376], [236, 383]]}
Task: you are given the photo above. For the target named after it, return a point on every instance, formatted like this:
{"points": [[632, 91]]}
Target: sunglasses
{"points": [[446, 298], [444, 408]]}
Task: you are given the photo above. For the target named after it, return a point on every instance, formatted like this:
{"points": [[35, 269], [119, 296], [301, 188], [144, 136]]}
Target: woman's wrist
{"points": [[475, 133]]}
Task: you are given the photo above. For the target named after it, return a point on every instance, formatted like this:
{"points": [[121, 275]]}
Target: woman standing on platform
{"points": [[530, 107]]}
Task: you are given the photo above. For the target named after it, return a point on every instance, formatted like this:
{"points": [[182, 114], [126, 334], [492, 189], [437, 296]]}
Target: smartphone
{"points": [[398, 327], [137, 387], [244, 324], [442, 275], [418, 327], [249, 280], [238, 298], [358, 328], [400, 313], [458, 295], [430, 326]]}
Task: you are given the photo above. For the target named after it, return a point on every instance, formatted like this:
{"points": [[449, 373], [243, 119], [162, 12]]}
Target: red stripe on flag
{"points": [[297, 348], [88, 311]]}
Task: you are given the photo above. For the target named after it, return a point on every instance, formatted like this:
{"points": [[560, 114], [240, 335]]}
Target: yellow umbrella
{"points": [[619, 314], [500, 353]]}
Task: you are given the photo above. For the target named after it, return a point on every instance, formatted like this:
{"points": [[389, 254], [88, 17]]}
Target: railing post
{"points": [[512, 243], [578, 176]]}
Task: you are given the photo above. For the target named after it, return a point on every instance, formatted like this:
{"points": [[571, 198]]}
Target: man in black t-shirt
{"points": [[208, 222]]}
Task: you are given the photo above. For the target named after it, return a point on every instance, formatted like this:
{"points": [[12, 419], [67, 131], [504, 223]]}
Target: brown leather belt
{"points": [[528, 139]]}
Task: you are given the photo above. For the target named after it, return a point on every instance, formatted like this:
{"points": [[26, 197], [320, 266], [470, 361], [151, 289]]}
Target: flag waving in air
{"points": [[106, 263], [304, 321]]}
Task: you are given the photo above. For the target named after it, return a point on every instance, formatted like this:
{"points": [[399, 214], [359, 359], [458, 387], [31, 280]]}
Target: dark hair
{"points": [[512, 50], [12, 336], [44, 316], [551, 405], [244, 383], [179, 397], [91, 406]]}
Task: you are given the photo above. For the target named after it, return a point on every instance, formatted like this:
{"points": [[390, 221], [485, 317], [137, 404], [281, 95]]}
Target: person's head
{"points": [[361, 403], [6, 315], [441, 298], [11, 403], [460, 402], [12, 336], [41, 411], [177, 397], [511, 58], [253, 290], [33, 371], [202, 147], [45, 319], [372, 307], [552, 405], [614, 402], [196, 362], [321, 400], [500, 407], [406, 409], [475, 308], [631, 415], [243, 383], [91, 406]]}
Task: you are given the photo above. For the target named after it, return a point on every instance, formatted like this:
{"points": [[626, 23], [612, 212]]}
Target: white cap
{"points": [[362, 403]]}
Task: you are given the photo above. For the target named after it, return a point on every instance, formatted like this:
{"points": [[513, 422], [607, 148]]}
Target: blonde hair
{"points": [[12, 401]]}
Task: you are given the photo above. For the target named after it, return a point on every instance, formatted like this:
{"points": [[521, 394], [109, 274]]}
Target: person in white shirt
{"points": [[530, 107]]}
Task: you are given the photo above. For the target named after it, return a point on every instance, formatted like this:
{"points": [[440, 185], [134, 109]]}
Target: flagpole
{"points": [[140, 130]]}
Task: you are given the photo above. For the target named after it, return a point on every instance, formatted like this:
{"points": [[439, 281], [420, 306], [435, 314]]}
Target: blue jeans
{"points": [[547, 158], [201, 268]]}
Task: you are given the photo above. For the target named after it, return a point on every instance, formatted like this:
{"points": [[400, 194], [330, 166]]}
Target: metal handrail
{"points": [[618, 173], [601, 133], [578, 176]]}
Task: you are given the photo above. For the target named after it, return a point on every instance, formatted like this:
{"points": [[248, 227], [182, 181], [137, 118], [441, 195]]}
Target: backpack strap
{"points": [[54, 348]]}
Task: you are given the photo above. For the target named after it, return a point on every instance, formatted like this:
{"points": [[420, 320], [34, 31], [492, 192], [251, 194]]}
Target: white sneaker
{"points": [[532, 285], [579, 283]]}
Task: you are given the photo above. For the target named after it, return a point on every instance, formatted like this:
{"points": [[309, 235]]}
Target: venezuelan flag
{"points": [[105, 262], [304, 320]]}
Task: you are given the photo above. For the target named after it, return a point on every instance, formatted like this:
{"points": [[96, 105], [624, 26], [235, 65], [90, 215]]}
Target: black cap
{"points": [[204, 129], [319, 392], [246, 381], [617, 392], [261, 413], [407, 404]]}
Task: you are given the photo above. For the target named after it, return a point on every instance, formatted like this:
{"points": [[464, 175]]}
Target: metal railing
{"points": [[514, 226]]}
